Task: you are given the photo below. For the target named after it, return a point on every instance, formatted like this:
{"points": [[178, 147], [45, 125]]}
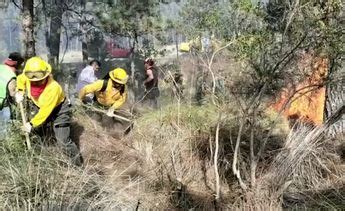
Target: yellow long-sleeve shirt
{"points": [[51, 97], [111, 97], [21, 81]]}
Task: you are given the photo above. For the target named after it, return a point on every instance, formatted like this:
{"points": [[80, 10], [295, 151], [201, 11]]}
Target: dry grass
{"points": [[45, 179], [307, 166], [165, 163], [168, 143]]}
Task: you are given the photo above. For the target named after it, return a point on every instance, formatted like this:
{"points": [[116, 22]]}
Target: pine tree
{"points": [[28, 28]]}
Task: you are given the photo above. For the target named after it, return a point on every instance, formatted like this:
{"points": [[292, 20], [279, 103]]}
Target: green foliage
{"points": [[205, 17], [130, 18], [268, 38], [14, 144], [195, 117], [251, 45], [245, 5], [225, 20], [319, 22]]}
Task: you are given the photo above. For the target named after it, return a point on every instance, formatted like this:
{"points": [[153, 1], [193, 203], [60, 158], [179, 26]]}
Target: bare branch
{"points": [[216, 159], [291, 16], [235, 169], [288, 54], [16, 4]]}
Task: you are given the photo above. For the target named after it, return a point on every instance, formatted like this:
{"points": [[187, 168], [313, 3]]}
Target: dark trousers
{"points": [[61, 126], [150, 97], [60, 120]]}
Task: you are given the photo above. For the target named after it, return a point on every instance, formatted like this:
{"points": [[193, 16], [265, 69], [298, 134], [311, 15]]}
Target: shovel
{"points": [[27, 138]]}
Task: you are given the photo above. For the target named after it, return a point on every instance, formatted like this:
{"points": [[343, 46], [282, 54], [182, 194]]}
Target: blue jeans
{"points": [[5, 119]]}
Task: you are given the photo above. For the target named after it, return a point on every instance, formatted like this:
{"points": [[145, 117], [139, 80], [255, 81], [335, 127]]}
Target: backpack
{"points": [[5, 77], [105, 84]]}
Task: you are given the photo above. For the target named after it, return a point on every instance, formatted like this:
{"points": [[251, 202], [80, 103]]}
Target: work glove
{"points": [[110, 112], [27, 127], [19, 97]]}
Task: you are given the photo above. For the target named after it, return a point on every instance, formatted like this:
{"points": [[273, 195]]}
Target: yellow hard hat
{"points": [[119, 75], [36, 69]]}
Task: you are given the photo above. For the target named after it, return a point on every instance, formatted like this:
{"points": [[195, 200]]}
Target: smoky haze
{"points": [[10, 30]]}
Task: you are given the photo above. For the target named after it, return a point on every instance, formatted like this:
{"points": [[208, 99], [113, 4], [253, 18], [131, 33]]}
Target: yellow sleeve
{"points": [[90, 88], [21, 82], [50, 100], [119, 102]]}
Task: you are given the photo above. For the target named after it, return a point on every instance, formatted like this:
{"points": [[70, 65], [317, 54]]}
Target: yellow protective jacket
{"points": [[51, 97], [111, 97]]}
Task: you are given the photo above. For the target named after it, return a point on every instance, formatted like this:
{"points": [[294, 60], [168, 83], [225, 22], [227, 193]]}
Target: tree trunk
{"points": [[4, 3], [28, 28], [56, 13], [83, 26], [335, 99], [176, 44], [136, 81]]}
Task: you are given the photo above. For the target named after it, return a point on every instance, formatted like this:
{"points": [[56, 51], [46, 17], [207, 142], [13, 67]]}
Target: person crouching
{"points": [[111, 92], [53, 107]]}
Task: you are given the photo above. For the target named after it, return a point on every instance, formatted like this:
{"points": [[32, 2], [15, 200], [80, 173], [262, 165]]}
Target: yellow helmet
{"points": [[36, 69], [119, 75]]}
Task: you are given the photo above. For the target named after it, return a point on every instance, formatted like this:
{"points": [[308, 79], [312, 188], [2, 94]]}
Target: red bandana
{"points": [[36, 90], [10, 63]]}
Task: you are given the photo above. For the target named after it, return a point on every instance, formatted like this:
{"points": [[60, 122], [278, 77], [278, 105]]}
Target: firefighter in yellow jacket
{"points": [[111, 92], [47, 95]]}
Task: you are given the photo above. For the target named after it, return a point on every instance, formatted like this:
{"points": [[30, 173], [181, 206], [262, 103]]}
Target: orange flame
{"points": [[305, 102]]}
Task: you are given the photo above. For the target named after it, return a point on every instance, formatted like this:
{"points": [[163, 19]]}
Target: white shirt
{"points": [[86, 76]]}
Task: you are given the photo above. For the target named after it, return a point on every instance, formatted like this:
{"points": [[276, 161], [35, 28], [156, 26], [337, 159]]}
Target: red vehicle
{"points": [[115, 51]]}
